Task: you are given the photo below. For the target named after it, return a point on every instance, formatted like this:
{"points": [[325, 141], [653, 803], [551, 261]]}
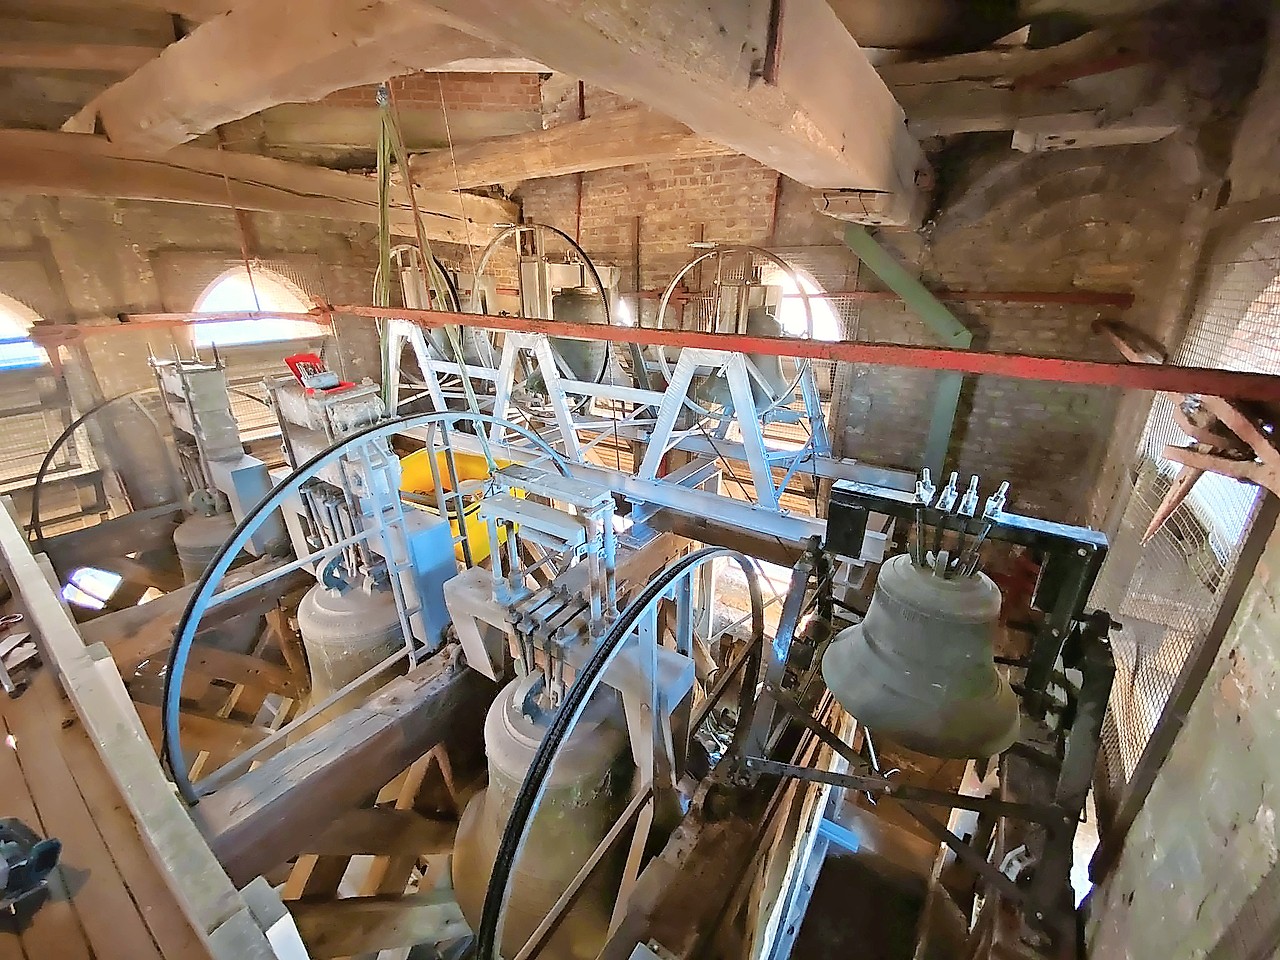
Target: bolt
{"points": [[1082, 552]]}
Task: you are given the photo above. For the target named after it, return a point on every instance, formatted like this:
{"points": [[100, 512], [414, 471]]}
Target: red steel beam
{"points": [[1130, 376], [52, 334]]}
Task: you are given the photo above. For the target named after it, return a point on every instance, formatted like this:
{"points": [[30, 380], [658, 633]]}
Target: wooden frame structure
{"points": [[304, 812]]}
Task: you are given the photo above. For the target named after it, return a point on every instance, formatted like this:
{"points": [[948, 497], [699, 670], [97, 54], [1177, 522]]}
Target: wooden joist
{"points": [[276, 810], [93, 57], [779, 93], [265, 53], [359, 925], [67, 164], [615, 139], [384, 832], [797, 95]]}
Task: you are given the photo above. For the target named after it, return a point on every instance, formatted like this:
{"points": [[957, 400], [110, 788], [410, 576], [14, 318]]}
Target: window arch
{"points": [[263, 290], [17, 351], [792, 316]]}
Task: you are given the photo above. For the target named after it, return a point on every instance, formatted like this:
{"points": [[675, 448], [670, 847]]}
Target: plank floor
{"points": [[107, 900]]}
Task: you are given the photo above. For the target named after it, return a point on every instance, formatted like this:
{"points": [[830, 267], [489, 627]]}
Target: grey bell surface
{"points": [[919, 669]]}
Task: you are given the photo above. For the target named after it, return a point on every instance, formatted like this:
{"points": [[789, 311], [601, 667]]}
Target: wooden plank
{"points": [[74, 165], [54, 930], [101, 900], [205, 895], [108, 58], [266, 53], [273, 812], [241, 668], [384, 831], [176, 938], [780, 93], [356, 925], [616, 139], [102, 542], [199, 733]]}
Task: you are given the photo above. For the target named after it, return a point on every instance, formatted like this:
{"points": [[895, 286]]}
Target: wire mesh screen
{"points": [[33, 411], [1168, 590]]}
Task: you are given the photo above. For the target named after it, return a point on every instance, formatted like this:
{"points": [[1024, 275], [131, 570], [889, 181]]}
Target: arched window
{"points": [[262, 290], [791, 314], [17, 352]]}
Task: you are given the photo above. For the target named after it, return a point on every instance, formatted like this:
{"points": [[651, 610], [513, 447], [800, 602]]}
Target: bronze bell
{"points": [[761, 322], [920, 669], [589, 785]]}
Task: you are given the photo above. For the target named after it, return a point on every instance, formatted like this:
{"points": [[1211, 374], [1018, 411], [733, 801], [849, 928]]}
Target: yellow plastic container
{"points": [[416, 477]]}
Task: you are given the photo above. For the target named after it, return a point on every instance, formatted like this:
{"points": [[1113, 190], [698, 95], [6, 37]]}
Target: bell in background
{"points": [[760, 323], [919, 669], [590, 783]]}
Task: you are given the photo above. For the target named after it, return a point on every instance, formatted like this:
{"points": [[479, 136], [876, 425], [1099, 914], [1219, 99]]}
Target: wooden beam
{"points": [[358, 925], [616, 139], [139, 531], [265, 53], [797, 94], [970, 106], [384, 832], [199, 733], [66, 164], [138, 633], [241, 668], [780, 92], [275, 810], [103, 57], [1009, 63]]}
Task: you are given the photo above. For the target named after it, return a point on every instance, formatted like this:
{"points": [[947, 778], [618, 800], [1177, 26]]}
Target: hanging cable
{"points": [[391, 133]]}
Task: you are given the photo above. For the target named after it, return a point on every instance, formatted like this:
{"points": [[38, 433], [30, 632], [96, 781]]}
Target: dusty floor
{"points": [[855, 912]]}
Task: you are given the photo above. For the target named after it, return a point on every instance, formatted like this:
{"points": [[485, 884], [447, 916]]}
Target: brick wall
{"points": [[85, 261], [719, 198], [457, 91], [1079, 220], [1198, 871]]}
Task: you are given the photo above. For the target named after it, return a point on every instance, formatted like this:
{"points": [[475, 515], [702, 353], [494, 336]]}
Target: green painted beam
{"points": [[935, 314], [938, 318], [942, 422]]}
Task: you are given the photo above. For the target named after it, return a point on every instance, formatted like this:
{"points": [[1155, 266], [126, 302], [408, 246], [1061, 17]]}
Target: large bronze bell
{"points": [[919, 668], [589, 785]]}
